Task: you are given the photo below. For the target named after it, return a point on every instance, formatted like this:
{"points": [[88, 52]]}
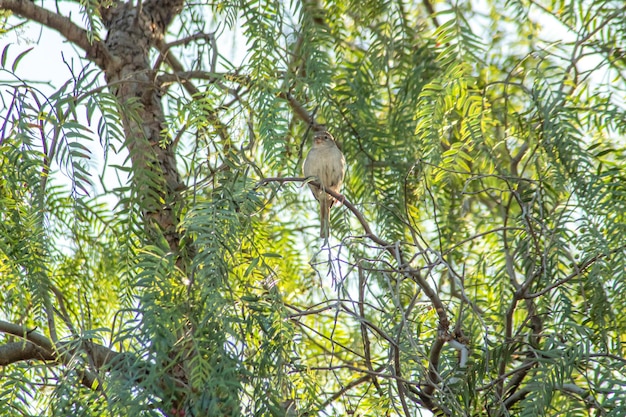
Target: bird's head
{"points": [[323, 138]]}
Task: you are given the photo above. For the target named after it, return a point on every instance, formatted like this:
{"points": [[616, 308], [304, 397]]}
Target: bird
{"points": [[327, 164]]}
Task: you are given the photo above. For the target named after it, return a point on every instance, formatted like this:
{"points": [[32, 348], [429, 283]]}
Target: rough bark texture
{"points": [[94, 51], [132, 32]]}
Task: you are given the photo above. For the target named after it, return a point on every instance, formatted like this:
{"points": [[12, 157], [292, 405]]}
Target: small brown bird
{"points": [[325, 162]]}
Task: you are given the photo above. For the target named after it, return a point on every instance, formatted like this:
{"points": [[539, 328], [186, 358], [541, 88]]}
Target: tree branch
{"points": [[404, 269], [349, 386], [30, 335], [301, 112], [579, 269], [95, 51], [572, 389], [23, 351], [39, 347], [393, 250], [176, 65]]}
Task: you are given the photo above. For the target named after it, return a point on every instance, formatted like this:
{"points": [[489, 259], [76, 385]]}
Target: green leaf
{"points": [[18, 58]]}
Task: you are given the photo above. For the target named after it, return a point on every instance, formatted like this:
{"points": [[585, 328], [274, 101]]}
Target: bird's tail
{"points": [[324, 218]]}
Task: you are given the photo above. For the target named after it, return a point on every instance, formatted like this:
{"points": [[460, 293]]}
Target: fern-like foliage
{"points": [[158, 258]]}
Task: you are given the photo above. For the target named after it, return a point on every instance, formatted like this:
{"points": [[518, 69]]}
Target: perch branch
{"points": [[404, 269]]}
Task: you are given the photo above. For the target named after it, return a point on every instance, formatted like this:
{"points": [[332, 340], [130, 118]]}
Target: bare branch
{"points": [[23, 351], [30, 335], [406, 270], [349, 386], [184, 77], [39, 347], [176, 66], [95, 51], [301, 112], [431, 12], [522, 368], [391, 248], [579, 269], [570, 389]]}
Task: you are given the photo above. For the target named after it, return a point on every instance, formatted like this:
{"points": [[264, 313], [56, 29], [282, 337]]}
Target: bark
{"points": [[132, 33], [22, 351], [134, 30], [95, 51], [36, 346]]}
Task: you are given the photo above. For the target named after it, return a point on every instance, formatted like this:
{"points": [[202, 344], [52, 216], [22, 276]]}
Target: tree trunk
{"points": [[132, 32]]}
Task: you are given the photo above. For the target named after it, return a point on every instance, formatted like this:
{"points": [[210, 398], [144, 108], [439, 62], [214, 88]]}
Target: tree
{"points": [[159, 251]]}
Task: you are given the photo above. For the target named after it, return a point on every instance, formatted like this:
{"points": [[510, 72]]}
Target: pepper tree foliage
{"points": [[158, 257]]}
